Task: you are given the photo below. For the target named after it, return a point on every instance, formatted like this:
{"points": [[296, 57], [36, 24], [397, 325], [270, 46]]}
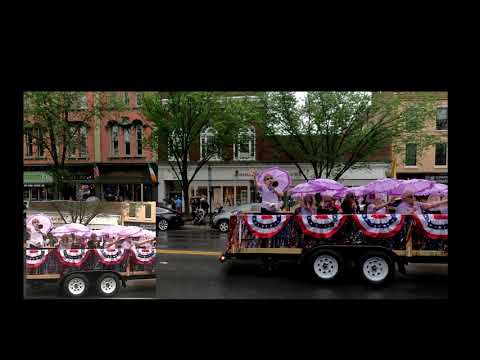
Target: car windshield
{"points": [[162, 210], [244, 208]]}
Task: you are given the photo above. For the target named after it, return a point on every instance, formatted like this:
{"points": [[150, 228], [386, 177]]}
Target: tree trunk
{"points": [[186, 199]]}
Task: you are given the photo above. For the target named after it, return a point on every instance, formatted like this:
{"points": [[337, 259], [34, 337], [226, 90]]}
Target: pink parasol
{"points": [[43, 220], [357, 190], [382, 185], [281, 176], [413, 185], [303, 189], [326, 184], [79, 230], [435, 189]]}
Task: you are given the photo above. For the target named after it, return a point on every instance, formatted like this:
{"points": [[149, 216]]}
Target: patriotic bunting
{"points": [[72, 257], [35, 257], [321, 225], [379, 225], [143, 255], [112, 256], [265, 226], [434, 226]]}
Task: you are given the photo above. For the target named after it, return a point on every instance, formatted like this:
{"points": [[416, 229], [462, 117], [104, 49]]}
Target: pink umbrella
{"points": [[357, 190], [43, 220], [381, 185], [326, 184], [79, 230], [281, 176], [413, 185], [437, 188], [129, 231], [303, 189]]}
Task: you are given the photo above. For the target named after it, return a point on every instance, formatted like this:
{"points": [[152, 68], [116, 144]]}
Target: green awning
{"points": [[37, 177]]}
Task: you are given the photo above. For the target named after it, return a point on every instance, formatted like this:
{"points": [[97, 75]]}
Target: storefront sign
{"points": [[37, 177]]}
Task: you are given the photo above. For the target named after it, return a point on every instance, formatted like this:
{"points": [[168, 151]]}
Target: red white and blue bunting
{"points": [[321, 225], [379, 225], [434, 226], [143, 255], [34, 258], [113, 256], [265, 226], [72, 257]]}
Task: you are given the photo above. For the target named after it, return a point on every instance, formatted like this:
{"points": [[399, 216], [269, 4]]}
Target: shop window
{"points": [[83, 141], [114, 140], [441, 154], [29, 142], [228, 196], [26, 194], [132, 210], [148, 211], [245, 148], [411, 155], [207, 144], [126, 137], [242, 195], [442, 118], [139, 133]]}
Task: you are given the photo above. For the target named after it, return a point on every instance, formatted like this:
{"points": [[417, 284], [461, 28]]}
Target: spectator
{"points": [[178, 204]]}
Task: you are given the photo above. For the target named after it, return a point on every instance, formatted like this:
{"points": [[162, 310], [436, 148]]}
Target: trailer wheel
{"points": [[108, 285], [326, 265], [377, 268], [76, 285]]}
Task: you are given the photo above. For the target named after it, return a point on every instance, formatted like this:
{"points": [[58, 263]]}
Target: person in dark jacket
{"points": [[350, 204]]}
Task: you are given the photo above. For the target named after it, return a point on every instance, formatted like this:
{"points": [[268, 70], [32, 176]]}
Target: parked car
{"points": [[221, 220], [168, 218]]}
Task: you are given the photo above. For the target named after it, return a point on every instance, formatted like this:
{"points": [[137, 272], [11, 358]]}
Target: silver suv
{"points": [[220, 221]]}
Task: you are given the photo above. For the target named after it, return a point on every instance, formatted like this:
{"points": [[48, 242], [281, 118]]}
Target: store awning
{"points": [[37, 177], [124, 177]]}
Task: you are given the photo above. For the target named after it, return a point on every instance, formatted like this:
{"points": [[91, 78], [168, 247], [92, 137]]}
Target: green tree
{"points": [[337, 131], [56, 123], [179, 120]]}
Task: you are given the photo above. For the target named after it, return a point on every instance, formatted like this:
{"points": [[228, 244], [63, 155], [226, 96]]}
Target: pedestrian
{"points": [[178, 204]]}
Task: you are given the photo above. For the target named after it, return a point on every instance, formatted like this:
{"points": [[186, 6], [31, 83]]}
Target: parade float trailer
{"points": [[117, 255], [327, 245]]}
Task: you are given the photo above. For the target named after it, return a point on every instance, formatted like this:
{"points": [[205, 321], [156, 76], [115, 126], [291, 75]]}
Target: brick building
{"points": [[113, 145]]}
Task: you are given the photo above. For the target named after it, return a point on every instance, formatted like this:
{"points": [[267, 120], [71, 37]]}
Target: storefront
{"points": [[231, 185], [126, 183], [37, 185]]}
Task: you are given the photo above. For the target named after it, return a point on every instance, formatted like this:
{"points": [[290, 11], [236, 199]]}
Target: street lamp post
{"points": [[210, 190]]}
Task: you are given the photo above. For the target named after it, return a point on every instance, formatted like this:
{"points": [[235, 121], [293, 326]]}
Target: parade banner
{"points": [[34, 258], [321, 225], [434, 226], [113, 256], [265, 226], [72, 257], [143, 255], [379, 225]]}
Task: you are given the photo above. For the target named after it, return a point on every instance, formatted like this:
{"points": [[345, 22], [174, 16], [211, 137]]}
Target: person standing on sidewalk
{"points": [[178, 204]]}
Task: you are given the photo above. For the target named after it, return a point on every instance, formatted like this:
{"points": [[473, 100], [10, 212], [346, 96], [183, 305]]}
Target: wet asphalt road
{"points": [[188, 276], [199, 275]]}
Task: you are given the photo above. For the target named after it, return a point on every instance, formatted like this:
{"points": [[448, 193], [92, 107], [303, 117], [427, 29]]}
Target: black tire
{"points": [[108, 285], [223, 224], [162, 225], [325, 266], [76, 285], [377, 268]]}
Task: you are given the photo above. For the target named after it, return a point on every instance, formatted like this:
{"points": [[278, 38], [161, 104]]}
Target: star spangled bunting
{"points": [[379, 225], [265, 226], [321, 225], [434, 226]]}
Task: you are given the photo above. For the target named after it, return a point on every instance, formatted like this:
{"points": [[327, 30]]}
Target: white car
{"points": [[220, 221]]}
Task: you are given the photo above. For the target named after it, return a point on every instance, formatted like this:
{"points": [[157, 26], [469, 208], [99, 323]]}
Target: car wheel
{"points": [[326, 265], [76, 285], [223, 226], [377, 268], [108, 285], [162, 225]]}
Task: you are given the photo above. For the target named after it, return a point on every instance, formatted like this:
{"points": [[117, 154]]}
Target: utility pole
{"points": [[210, 190]]}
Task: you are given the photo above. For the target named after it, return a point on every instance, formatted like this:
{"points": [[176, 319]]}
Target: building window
{"points": [[411, 155], [207, 144], [126, 136], [40, 150], [139, 99], [139, 131], [83, 141], [245, 148], [114, 146], [441, 154], [29, 142], [126, 99], [442, 118]]}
